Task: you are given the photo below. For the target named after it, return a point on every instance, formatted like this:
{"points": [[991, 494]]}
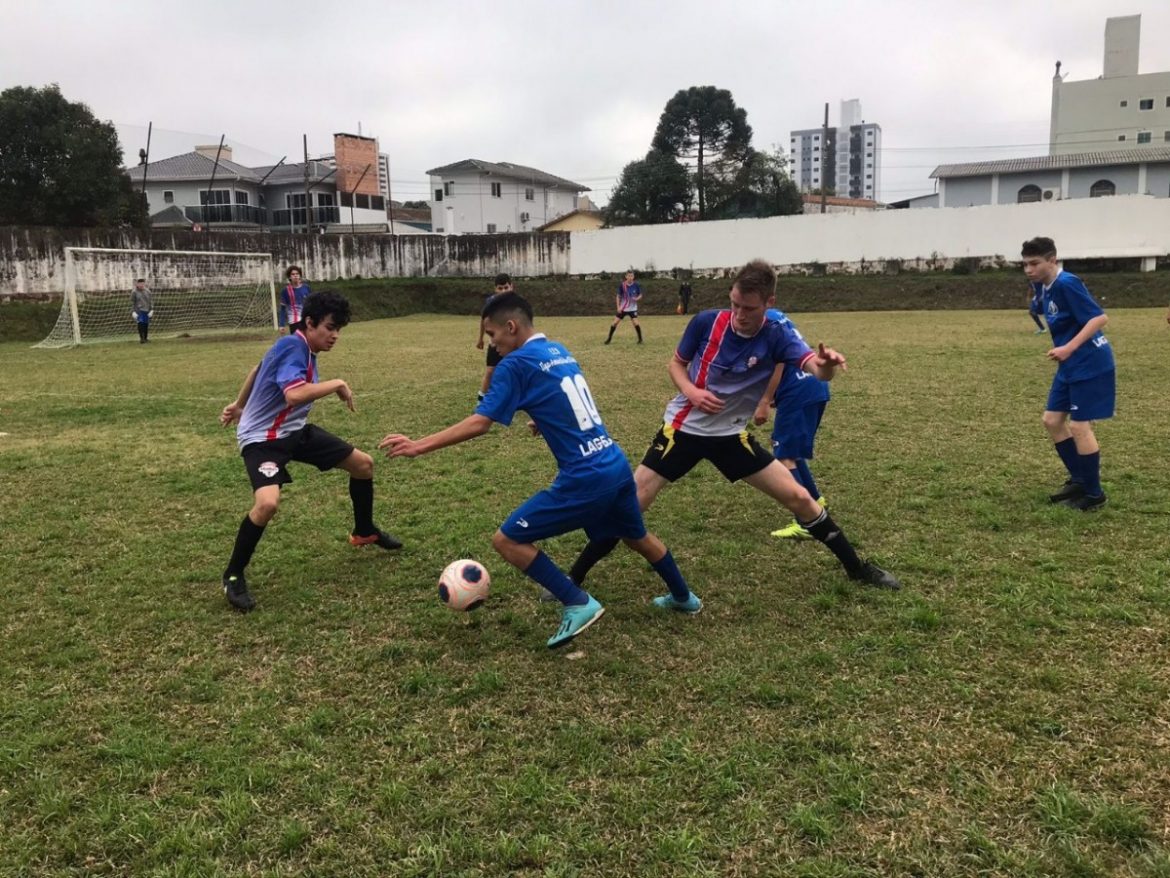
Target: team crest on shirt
{"points": [[752, 361], [268, 469]]}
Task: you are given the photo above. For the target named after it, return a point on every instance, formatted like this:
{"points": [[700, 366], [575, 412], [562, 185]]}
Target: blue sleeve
{"points": [[695, 334], [292, 365], [504, 394], [788, 346], [1080, 301], [284, 295]]}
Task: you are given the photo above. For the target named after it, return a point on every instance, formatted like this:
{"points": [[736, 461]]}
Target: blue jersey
{"points": [[797, 387], [542, 378], [267, 415], [735, 368], [1068, 306], [293, 300]]}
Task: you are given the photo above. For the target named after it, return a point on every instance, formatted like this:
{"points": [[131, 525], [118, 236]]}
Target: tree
{"points": [[703, 125], [416, 205], [655, 189], [60, 166], [761, 187]]}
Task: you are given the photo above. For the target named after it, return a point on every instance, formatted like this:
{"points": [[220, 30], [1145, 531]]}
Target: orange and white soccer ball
{"points": [[464, 585]]}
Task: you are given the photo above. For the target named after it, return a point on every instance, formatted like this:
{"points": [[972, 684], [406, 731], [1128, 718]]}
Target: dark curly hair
{"points": [[322, 303]]}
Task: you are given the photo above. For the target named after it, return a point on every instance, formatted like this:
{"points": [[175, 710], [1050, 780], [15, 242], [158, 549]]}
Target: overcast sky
{"points": [[573, 87]]}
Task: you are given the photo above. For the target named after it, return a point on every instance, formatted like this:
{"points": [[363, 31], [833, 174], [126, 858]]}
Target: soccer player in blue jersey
{"points": [[721, 368], [292, 299], [593, 489], [1084, 388], [800, 399], [273, 409], [629, 294], [1036, 305]]}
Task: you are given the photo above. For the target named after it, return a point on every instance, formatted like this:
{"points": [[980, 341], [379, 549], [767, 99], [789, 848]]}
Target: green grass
{"points": [[1005, 714]]}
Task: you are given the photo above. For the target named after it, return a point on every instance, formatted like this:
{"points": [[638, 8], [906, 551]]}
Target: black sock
{"points": [[826, 530], [361, 492], [142, 332], [611, 329], [590, 555], [246, 539], [638, 329]]}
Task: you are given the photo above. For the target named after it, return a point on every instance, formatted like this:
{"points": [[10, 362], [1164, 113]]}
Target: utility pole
{"points": [[208, 211], [353, 194], [305, 140], [824, 163], [145, 156]]}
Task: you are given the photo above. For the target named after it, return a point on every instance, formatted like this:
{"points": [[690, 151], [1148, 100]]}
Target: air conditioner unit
{"points": [[1052, 194], [524, 217]]}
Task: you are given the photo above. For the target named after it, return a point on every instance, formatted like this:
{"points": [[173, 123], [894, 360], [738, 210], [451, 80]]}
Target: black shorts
{"points": [[672, 454], [493, 356], [633, 315], [267, 462]]}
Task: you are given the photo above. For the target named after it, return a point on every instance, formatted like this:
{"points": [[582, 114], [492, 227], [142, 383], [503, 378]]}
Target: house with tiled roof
{"points": [[1055, 177], [478, 197]]}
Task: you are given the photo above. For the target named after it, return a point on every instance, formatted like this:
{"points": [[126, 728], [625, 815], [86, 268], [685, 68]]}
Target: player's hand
{"points": [[397, 445], [830, 358], [346, 395], [535, 430], [1060, 353], [1168, 316], [761, 414], [230, 414], [479, 345], [705, 401], [150, 313]]}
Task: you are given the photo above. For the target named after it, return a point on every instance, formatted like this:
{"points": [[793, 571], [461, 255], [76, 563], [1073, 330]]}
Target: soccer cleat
{"points": [[690, 606], [1040, 331], [1086, 502], [574, 620], [871, 574], [794, 531], [1070, 490], [235, 588], [378, 538]]}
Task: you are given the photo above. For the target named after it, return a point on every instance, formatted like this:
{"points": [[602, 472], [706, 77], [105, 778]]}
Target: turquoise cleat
{"points": [[574, 620], [690, 606]]}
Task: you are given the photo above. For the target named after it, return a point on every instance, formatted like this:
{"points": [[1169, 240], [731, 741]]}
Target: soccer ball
{"points": [[464, 584]]}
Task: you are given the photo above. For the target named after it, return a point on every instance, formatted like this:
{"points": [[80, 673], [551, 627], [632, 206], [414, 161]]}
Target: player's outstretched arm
{"points": [[232, 411], [304, 393], [825, 363], [397, 445]]}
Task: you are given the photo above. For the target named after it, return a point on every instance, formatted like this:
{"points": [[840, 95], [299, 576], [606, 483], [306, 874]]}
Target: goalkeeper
{"points": [[142, 303]]}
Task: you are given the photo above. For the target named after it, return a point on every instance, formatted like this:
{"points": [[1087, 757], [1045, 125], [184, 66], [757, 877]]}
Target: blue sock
{"points": [[806, 478], [1067, 449], [1090, 465], [672, 576], [548, 574]]}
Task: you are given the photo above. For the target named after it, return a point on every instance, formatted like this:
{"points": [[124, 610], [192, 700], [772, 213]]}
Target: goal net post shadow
{"points": [[193, 293]]}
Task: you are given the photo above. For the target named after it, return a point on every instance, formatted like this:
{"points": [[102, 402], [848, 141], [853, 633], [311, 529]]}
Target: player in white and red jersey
{"points": [[625, 303]]}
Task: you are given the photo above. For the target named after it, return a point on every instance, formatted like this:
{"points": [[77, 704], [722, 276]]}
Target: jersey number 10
{"points": [[581, 400]]}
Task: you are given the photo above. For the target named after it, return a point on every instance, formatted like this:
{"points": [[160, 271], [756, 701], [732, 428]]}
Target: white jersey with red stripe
{"points": [[267, 415], [731, 366]]}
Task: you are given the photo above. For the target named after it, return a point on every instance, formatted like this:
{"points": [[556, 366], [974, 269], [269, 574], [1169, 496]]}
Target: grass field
{"points": [[1005, 714]]}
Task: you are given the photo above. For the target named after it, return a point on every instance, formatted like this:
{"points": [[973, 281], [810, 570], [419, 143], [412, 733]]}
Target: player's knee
{"points": [[501, 543], [263, 510], [1052, 420], [361, 465]]}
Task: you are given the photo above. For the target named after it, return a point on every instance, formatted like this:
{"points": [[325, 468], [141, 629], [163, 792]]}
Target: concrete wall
{"points": [[32, 260], [1083, 228]]}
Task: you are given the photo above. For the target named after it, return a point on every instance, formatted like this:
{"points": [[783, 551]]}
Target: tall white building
{"points": [[478, 197], [1121, 109], [848, 161]]}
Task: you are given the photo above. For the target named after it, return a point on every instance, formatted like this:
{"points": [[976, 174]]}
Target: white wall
{"points": [[1082, 228]]}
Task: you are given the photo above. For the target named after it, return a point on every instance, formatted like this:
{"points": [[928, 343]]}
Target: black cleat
{"points": [[235, 588], [1070, 490], [1086, 503], [871, 574], [378, 538]]}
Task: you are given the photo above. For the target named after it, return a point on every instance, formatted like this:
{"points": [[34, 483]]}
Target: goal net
{"points": [[193, 293]]}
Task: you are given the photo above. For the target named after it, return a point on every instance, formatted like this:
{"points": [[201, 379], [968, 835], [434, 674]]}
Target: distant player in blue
{"points": [[800, 399], [273, 410], [1036, 306], [593, 490], [292, 299], [1084, 388], [625, 302]]}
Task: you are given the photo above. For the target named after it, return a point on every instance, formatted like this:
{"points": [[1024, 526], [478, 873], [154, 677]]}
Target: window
{"points": [[241, 197], [869, 155], [1102, 188], [816, 149], [869, 176], [362, 202], [1121, 137], [1028, 194], [1125, 103], [377, 202], [497, 189], [346, 199], [530, 194], [1167, 137], [1143, 137], [1146, 104], [325, 199], [438, 195], [169, 196], [439, 229], [449, 188], [216, 196], [491, 227]]}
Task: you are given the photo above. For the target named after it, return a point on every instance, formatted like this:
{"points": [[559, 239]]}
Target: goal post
{"points": [[194, 292]]}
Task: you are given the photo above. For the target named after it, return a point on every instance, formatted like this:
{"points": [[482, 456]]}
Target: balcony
{"points": [[318, 216], [243, 214]]}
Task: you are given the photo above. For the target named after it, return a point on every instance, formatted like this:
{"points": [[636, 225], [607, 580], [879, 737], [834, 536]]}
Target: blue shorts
{"points": [[555, 511], [795, 430], [1088, 400], [142, 317]]}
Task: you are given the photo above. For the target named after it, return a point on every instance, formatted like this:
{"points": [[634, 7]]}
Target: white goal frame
{"points": [[69, 330]]}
